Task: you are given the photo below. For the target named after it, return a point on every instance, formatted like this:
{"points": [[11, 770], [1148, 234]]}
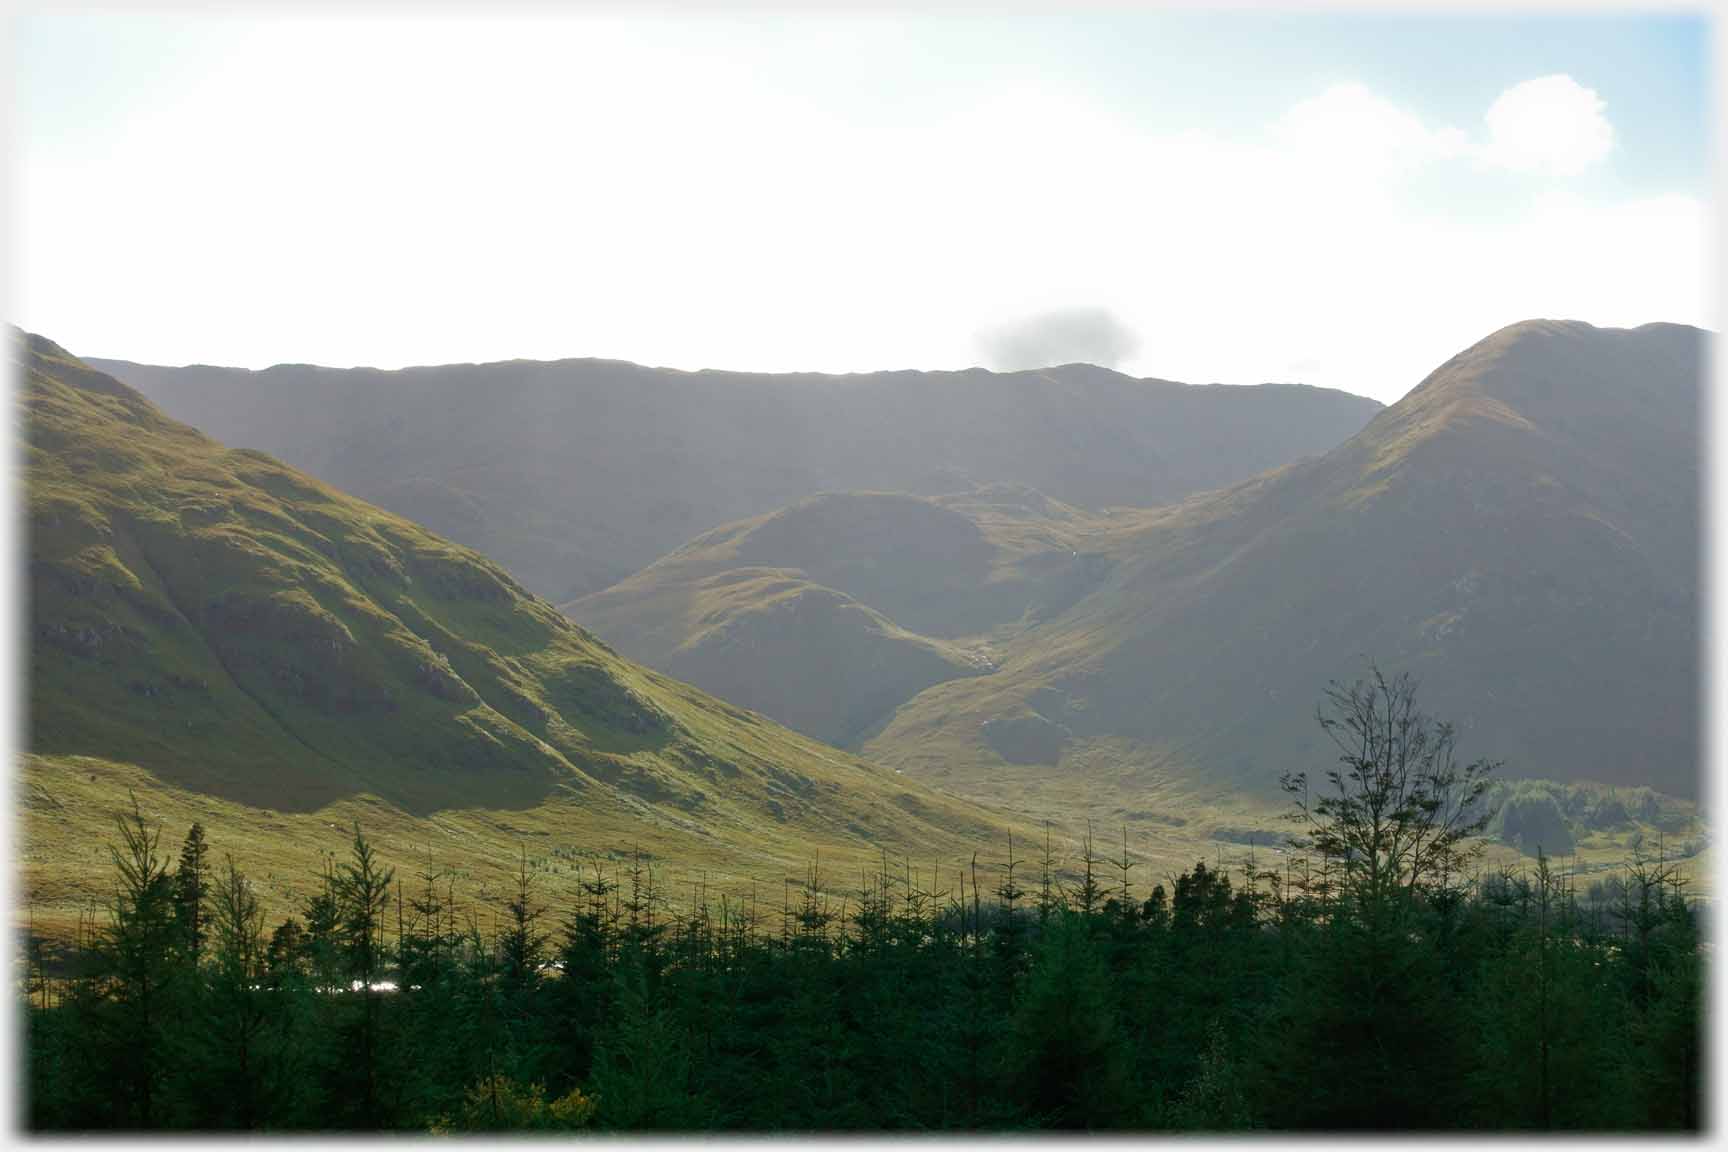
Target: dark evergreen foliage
{"points": [[1373, 987], [912, 1003]]}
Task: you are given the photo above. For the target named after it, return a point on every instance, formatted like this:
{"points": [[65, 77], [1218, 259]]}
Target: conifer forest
{"points": [[1380, 981]]}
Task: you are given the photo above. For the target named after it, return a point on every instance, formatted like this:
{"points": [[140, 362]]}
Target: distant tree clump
{"points": [[1536, 825]]}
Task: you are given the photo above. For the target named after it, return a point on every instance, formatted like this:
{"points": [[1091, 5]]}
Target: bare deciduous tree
{"points": [[1398, 812]]}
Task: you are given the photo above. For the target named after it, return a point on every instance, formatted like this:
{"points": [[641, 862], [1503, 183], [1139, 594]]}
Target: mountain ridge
{"points": [[1486, 547], [575, 473], [1541, 483]]}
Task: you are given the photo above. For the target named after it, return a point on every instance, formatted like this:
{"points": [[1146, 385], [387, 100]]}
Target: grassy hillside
{"points": [[574, 474], [829, 614], [225, 634], [1520, 533]]}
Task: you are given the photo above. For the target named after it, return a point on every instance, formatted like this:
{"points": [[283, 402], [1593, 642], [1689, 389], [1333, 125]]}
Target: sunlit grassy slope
{"points": [[68, 806], [225, 634]]}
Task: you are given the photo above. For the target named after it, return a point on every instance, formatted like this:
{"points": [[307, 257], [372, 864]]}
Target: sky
{"points": [[1339, 198]]}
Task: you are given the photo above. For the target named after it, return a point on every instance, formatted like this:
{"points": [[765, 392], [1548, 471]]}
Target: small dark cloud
{"points": [[1061, 336]]}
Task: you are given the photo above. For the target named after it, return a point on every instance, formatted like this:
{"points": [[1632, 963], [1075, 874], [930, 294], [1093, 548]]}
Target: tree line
{"points": [[1379, 981]]}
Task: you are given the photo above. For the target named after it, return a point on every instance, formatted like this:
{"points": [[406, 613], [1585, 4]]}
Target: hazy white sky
{"points": [[1339, 199]]}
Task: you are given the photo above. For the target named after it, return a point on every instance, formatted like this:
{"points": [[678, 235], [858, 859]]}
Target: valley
{"points": [[1529, 511], [226, 635]]}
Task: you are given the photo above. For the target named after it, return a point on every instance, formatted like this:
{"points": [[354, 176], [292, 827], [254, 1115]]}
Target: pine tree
{"points": [[1090, 897], [287, 950], [1009, 937], [362, 895], [362, 898], [236, 1015], [192, 890], [142, 975], [321, 946], [523, 946], [1069, 1064]]}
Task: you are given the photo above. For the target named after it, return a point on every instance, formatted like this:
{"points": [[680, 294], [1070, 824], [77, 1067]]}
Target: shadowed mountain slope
{"points": [[829, 614], [1520, 532], [573, 474]]}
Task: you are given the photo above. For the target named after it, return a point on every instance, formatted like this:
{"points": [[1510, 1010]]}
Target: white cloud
{"points": [[1551, 124], [460, 194], [1349, 126]]}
